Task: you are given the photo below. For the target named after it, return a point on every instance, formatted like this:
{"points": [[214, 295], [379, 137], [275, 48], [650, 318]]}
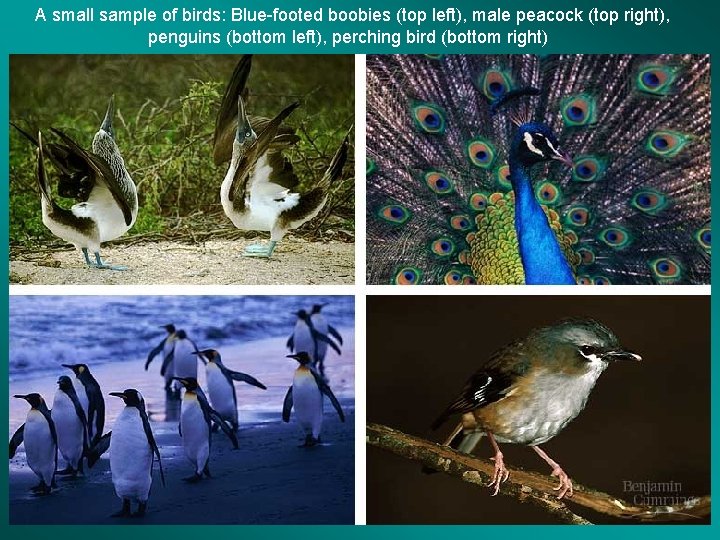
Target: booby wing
{"points": [[16, 440], [287, 405], [325, 389], [280, 169], [96, 168]]}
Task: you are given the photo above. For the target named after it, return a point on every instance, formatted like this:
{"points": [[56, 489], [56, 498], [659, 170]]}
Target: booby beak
{"points": [[244, 133], [106, 125], [622, 355]]}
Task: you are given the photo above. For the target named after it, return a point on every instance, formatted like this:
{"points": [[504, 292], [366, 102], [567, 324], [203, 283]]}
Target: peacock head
{"points": [[535, 142]]}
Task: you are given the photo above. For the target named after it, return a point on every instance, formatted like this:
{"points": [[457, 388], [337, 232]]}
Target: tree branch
{"points": [[528, 486]]}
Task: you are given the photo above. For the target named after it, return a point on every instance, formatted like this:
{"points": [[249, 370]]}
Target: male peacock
{"points": [[471, 180]]}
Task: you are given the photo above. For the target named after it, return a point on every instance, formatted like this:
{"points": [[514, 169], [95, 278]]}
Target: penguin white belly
{"points": [[130, 457], [307, 401], [79, 239], [184, 361], [107, 214], [303, 339], [39, 446], [221, 393], [195, 433], [69, 429]]}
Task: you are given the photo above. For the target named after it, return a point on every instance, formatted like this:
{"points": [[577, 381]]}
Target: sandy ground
{"points": [[216, 262], [268, 480]]}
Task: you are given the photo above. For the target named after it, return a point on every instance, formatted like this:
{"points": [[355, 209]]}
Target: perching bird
{"points": [[166, 347], [91, 398], [107, 200], [196, 423], [470, 179], [528, 391], [321, 325], [308, 339], [221, 388], [40, 439], [133, 451], [306, 397], [256, 192], [70, 425]]}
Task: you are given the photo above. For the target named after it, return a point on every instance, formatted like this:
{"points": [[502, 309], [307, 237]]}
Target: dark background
{"points": [[648, 421]]}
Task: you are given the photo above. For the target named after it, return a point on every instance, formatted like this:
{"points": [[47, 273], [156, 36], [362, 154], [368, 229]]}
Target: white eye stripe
{"points": [[552, 147], [528, 138]]}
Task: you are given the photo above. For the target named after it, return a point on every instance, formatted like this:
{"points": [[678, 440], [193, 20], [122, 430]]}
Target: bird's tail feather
{"points": [[41, 174], [337, 163]]}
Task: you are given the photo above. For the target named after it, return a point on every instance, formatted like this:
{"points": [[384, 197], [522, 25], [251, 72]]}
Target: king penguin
{"points": [[70, 425], [91, 398], [306, 396], [308, 339], [132, 453], [221, 388], [185, 359], [196, 418], [166, 347], [322, 326], [40, 438]]}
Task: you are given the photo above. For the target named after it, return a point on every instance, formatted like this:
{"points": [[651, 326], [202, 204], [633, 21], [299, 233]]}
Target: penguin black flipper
{"points": [[96, 407], [291, 343], [212, 416], [242, 377], [157, 350], [53, 432], [96, 168], [80, 412], [325, 389], [322, 337], [287, 405], [98, 449], [166, 362], [334, 333], [151, 441], [16, 440]]}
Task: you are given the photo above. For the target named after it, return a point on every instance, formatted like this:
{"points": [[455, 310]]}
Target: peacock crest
{"points": [[599, 176]]}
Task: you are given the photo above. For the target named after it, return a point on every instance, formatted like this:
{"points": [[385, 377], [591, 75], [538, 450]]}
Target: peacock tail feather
{"points": [[634, 207]]}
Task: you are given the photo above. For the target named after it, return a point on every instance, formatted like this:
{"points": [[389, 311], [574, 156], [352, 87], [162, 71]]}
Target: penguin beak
{"points": [[202, 356], [622, 355], [107, 121], [20, 396], [118, 394], [180, 380], [69, 366]]}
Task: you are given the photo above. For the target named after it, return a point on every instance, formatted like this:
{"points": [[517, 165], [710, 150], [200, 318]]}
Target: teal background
{"points": [[693, 28]]}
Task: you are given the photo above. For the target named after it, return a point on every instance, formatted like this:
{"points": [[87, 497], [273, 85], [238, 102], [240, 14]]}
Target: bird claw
{"points": [[260, 250], [565, 487], [117, 268], [500, 475]]}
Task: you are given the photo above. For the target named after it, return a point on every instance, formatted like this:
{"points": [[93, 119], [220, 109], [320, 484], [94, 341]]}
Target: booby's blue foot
{"points": [[260, 250], [104, 266], [87, 258]]}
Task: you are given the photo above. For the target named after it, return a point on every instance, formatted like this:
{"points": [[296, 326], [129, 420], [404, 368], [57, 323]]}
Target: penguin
{"points": [[307, 338], [40, 438], [306, 396], [321, 325], [221, 388], [71, 426], [132, 453], [91, 398], [196, 418], [166, 347], [185, 359]]}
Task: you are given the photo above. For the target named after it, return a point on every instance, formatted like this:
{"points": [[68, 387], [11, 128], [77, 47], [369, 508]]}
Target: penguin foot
{"points": [[142, 507], [41, 489], [194, 479], [260, 250], [67, 471], [124, 511], [309, 442]]}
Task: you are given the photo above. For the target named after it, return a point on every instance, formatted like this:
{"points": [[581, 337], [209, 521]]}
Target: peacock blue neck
{"points": [[543, 261]]}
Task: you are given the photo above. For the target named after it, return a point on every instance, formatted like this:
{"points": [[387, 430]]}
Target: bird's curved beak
{"points": [[623, 355], [106, 125], [243, 125], [118, 394]]}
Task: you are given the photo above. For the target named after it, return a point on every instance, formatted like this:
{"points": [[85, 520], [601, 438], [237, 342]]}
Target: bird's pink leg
{"points": [[565, 487], [501, 473]]}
